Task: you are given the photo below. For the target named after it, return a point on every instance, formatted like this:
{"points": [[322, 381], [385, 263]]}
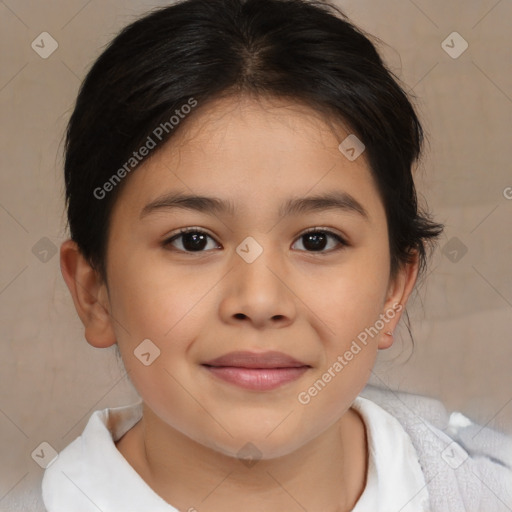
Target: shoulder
{"points": [[467, 467], [72, 464], [90, 469]]}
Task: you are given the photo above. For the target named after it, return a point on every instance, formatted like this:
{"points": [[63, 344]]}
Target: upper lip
{"points": [[271, 359]]}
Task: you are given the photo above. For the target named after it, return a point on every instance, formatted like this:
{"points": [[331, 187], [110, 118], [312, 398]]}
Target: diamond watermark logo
{"points": [[44, 455], [351, 147], [44, 45], [44, 249], [249, 455], [454, 250], [454, 45], [454, 455], [146, 352], [249, 249]]}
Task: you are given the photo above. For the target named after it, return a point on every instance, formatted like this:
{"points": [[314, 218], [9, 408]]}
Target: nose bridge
{"points": [[258, 262], [258, 289]]}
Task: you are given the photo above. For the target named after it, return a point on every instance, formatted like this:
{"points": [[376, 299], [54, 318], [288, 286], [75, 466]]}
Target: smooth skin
{"points": [[196, 305]]}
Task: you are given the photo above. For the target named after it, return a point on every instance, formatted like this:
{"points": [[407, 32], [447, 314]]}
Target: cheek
{"points": [[348, 298], [348, 306], [166, 308], [156, 300]]}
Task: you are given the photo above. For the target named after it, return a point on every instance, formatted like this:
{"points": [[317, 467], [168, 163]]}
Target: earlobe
{"points": [[400, 288], [89, 295], [392, 316], [386, 339]]}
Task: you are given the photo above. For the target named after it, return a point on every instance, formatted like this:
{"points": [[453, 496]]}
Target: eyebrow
{"points": [[337, 200]]}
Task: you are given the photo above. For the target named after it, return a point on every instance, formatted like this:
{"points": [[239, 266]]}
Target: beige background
{"points": [[51, 379]]}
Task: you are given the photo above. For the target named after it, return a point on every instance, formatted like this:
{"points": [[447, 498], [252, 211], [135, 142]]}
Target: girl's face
{"points": [[249, 280]]}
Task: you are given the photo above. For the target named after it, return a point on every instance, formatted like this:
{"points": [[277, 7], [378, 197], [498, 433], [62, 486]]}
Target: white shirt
{"points": [[395, 481], [91, 474]]}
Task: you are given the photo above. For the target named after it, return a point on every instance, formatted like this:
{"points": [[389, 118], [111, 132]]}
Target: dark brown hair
{"points": [[204, 49]]}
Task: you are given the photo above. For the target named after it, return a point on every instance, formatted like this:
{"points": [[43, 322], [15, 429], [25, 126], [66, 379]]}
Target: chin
{"points": [[256, 445]]}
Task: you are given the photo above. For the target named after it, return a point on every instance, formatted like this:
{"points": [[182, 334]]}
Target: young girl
{"points": [[244, 227]]}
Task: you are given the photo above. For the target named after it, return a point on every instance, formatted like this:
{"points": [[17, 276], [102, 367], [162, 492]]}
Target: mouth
{"points": [[256, 371]]}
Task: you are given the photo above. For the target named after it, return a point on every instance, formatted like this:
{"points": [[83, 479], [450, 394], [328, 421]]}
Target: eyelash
{"points": [[167, 242]]}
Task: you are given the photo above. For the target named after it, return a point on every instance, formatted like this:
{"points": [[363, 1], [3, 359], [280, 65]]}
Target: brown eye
{"points": [[316, 240], [195, 240], [192, 240]]}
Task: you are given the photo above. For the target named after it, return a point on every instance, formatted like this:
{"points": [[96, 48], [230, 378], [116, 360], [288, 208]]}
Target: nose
{"points": [[259, 292]]}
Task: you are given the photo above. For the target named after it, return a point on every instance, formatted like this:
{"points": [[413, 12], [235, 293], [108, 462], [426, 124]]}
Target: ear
{"points": [[399, 291], [90, 295]]}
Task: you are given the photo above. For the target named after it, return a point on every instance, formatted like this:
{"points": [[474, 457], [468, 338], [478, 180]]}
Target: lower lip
{"points": [[259, 379]]}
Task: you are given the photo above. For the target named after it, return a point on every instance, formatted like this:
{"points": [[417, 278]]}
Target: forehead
{"points": [[270, 126], [253, 152]]}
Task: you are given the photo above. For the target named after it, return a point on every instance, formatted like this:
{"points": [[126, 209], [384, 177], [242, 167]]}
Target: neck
{"points": [[327, 474]]}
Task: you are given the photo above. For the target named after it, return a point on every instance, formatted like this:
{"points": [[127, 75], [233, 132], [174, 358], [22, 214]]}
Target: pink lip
{"points": [[259, 379], [257, 371], [271, 359]]}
